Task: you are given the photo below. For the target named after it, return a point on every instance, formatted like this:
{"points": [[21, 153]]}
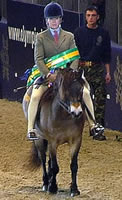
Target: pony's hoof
{"points": [[44, 188], [52, 188]]}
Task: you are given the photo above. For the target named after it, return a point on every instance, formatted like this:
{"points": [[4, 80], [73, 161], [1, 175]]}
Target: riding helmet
{"points": [[53, 10]]}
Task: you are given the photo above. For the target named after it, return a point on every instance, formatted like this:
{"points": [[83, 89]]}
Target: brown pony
{"points": [[60, 120]]}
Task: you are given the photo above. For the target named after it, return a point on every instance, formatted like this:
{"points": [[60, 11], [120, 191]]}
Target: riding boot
{"points": [[98, 132], [32, 111]]}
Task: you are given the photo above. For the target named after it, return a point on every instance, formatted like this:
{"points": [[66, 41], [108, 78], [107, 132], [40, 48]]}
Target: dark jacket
{"points": [[93, 44]]}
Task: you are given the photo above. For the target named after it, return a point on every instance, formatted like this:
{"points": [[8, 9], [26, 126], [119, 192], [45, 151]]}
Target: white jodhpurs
{"points": [[88, 102], [33, 105]]}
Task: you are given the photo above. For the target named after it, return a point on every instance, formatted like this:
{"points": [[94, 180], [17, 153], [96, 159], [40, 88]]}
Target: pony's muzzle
{"points": [[76, 109]]}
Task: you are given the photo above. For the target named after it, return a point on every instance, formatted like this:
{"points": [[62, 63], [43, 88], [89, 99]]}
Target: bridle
{"points": [[65, 105]]}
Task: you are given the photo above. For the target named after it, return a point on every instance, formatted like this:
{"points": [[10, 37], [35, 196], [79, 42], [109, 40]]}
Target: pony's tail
{"points": [[38, 149]]}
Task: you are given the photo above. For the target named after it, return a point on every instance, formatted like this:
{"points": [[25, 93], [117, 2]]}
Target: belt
{"points": [[87, 63]]}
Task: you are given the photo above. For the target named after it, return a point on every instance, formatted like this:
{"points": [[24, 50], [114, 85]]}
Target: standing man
{"points": [[93, 43]]}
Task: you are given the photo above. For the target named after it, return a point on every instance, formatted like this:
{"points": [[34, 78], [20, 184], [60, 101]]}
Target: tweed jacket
{"points": [[46, 47]]}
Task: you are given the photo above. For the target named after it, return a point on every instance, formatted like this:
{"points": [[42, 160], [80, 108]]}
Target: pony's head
{"points": [[70, 86]]}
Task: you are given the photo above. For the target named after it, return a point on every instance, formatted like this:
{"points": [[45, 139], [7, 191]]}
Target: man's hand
{"points": [[108, 78]]}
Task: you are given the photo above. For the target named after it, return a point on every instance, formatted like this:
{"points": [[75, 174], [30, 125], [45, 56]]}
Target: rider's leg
{"points": [[89, 104], [96, 130], [32, 109]]}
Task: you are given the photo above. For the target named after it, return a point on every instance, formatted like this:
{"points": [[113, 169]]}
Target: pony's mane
{"points": [[68, 75], [48, 95]]}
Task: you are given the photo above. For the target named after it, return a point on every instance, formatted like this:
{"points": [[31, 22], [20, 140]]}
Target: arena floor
{"points": [[100, 163]]}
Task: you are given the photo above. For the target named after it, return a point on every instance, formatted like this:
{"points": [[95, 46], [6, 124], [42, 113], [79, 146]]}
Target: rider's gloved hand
{"points": [[51, 76]]}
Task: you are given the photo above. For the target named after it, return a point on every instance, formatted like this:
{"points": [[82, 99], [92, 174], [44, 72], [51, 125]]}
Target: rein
{"points": [[64, 106]]}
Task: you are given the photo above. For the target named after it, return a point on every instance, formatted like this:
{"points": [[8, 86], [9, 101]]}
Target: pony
{"points": [[60, 119]]}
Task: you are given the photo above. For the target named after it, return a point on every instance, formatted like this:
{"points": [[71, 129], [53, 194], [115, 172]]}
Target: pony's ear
{"points": [[60, 80], [60, 86], [82, 76], [81, 73]]}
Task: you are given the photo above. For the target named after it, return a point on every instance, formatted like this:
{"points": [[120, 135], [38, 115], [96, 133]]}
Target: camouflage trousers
{"points": [[96, 80]]}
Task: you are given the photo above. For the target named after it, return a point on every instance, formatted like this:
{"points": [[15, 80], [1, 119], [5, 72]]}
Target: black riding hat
{"points": [[53, 10]]}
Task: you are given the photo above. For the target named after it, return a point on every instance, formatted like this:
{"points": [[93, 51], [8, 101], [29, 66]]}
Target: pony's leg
{"points": [[53, 171], [43, 158], [45, 176], [39, 158], [74, 148], [49, 168]]}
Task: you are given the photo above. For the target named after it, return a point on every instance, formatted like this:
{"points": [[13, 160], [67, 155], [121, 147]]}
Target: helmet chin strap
{"points": [[54, 29]]}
